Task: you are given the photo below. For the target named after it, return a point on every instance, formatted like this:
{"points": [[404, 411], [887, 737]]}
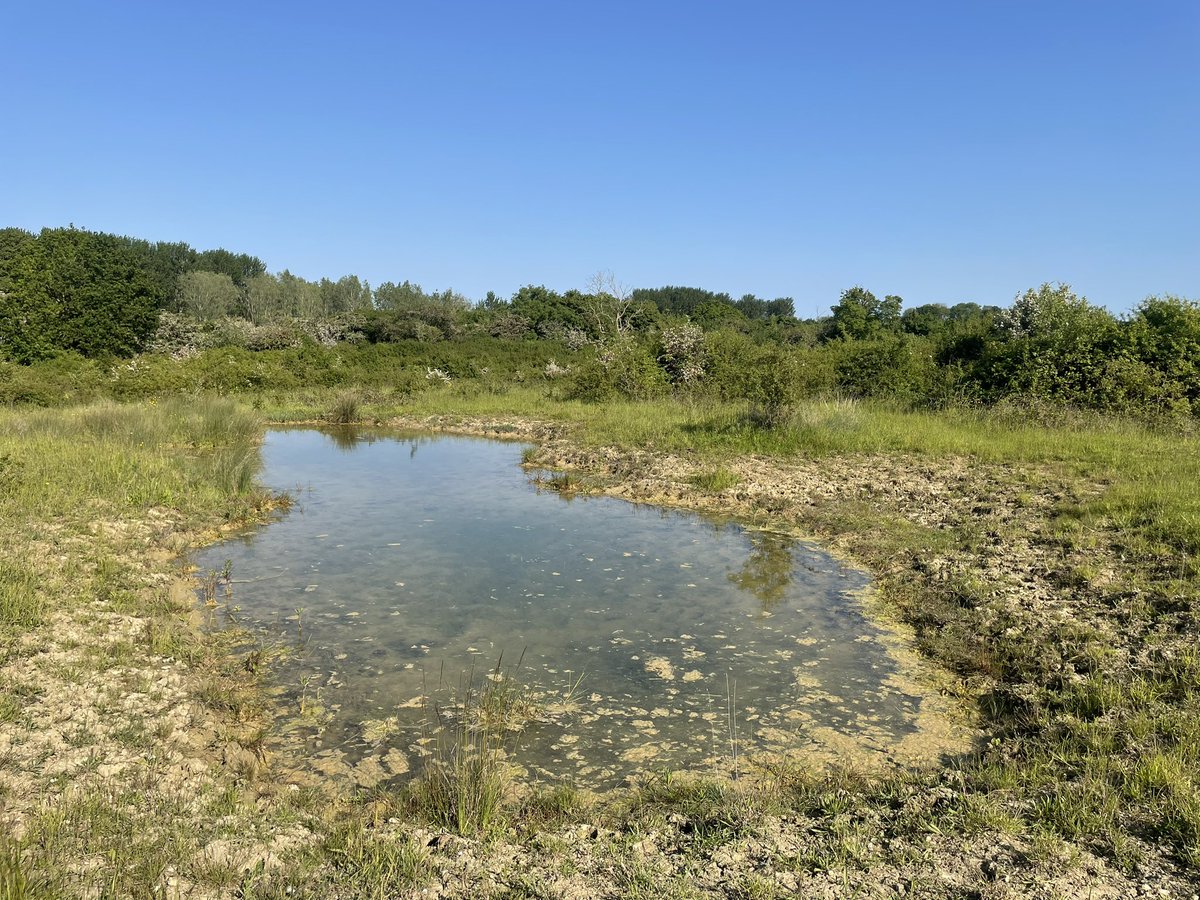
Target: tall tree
{"points": [[11, 241], [261, 300], [239, 266], [298, 298], [607, 306], [859, 315], [399, 296], [164, 262], [207, 295], [77, 290], [347, 294], [682, 301]]}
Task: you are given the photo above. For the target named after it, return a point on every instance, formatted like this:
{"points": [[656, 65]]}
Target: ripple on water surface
{"points": [[412, 566]]}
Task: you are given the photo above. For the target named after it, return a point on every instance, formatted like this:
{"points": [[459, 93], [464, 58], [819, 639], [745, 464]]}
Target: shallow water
{"points": [[412, 566]]}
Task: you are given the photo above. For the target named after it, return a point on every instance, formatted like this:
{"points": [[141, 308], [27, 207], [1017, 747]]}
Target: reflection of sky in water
{"points": [[414, 560]]}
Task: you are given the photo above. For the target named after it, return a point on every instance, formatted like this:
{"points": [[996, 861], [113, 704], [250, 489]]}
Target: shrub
{"points": [[1053, 345], [683, 354], [727, 375], [895, 367], [776, 384], [273, 336], [178, 336], [621, 369]]}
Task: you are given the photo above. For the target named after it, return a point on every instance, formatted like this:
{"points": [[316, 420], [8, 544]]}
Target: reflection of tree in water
{"points": [[348, 437], [344, 437], [767, 573]]}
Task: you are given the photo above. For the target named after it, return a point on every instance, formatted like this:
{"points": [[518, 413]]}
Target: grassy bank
{"points": [[113, 707], [1048, 566]]}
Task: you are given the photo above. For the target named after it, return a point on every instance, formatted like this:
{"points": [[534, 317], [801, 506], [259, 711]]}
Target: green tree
{"points": [[715, 314], [11, 242], [1164, 334], [347, 294], [164, 262], [544, 308], [781, 308], [77, 290], [756, 309], [680, 301], [1053, 344], [752, 307], [926, 320], [859, 315], [298, 297], [261, 299], [406, 295], [406, 312], [239, 266], [207, 295]]}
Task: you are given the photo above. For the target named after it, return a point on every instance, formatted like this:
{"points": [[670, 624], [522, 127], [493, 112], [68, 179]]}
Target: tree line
{"points": [[74, 291]]}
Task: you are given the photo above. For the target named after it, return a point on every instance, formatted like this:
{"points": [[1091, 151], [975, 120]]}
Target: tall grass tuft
{"points": [[13, 883], [345, 409], [376, 866], [465, 781], [714, 481]]}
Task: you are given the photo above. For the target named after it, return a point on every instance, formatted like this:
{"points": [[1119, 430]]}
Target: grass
{"points": [[710, 811], [14, 883], [85, 494], [127, 459], [345, 409], [464, 784], [378, 867], [1091, 716], [715, 481]]}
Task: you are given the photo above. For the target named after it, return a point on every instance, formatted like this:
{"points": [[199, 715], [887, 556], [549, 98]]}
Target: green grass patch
{"points": [[715, 480]]}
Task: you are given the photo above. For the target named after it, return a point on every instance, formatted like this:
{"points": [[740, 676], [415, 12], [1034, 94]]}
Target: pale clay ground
{"points": [[91, 692]]}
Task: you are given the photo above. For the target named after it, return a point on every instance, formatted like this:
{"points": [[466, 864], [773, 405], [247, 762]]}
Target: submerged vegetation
{"points": [[1024, 483]]}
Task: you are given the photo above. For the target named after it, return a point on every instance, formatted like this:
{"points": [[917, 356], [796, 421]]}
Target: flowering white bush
{"points": [[683, 355]]}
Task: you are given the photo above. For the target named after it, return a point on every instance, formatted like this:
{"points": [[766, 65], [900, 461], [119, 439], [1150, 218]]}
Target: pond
{"points": [[415, 569]]}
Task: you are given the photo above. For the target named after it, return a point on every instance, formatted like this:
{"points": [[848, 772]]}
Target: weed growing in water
{"points": [[563, 484], [465, 780], [732, 721]]}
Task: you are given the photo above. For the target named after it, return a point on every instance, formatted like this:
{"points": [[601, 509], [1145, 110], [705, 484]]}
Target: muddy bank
{"points": [[121, 725], [936, 533]]}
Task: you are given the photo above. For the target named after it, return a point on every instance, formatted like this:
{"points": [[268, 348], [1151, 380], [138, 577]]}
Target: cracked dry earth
{"points": [[112, 730]]}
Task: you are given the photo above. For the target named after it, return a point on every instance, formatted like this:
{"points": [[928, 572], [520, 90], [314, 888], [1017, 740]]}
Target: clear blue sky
{"points": [[941, 151]]}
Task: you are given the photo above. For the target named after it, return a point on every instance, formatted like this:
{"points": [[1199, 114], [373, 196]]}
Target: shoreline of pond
{"points": [[940, 726], [902, 515]]}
